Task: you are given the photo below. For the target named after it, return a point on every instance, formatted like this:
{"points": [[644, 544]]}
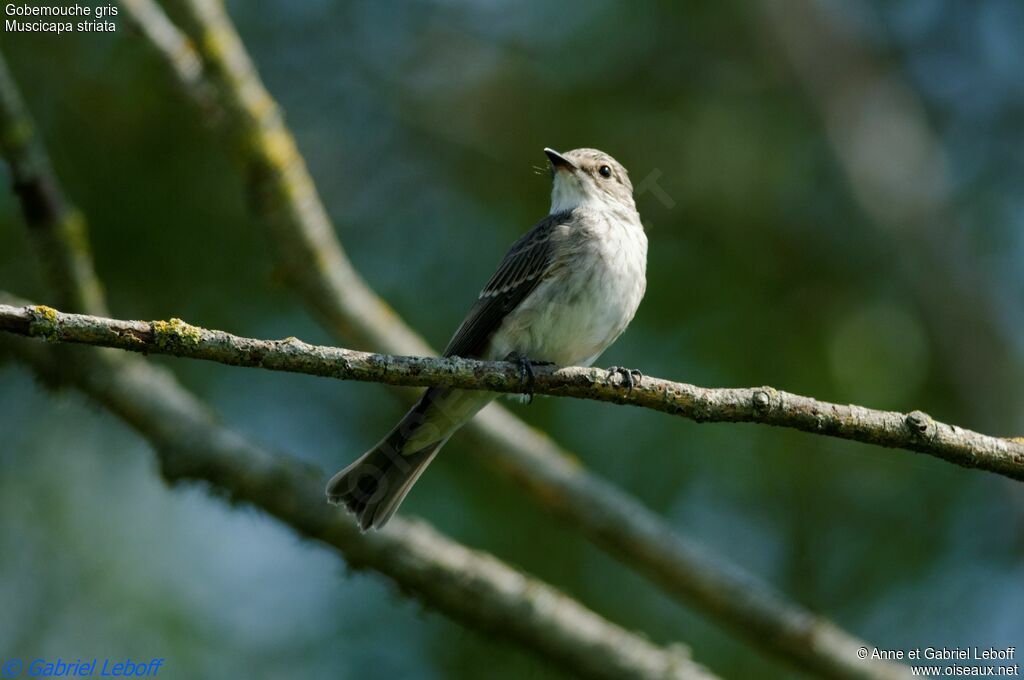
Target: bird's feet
{"points": [[630, 376], [526, 375]]}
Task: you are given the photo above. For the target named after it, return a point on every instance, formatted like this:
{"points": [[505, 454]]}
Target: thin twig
{"points": [[913, 431], [315, 264]]}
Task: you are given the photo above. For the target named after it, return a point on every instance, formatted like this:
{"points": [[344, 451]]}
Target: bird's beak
{"points": [[558, 161]]}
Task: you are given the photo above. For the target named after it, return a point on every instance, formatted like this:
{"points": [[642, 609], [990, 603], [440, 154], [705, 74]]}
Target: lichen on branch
{"points": [[914, 431]]}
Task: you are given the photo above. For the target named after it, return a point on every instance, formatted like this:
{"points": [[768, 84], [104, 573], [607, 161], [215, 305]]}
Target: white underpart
{"points": [[591, 292]]}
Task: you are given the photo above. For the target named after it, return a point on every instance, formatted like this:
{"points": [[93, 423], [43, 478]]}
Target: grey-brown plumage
{"points": [[563, 293]]}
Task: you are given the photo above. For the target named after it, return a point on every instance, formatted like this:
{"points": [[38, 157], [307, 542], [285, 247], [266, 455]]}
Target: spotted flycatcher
{"points": [[563, 293]]}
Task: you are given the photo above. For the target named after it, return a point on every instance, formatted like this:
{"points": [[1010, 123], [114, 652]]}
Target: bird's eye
{"points": [[605, 171]]}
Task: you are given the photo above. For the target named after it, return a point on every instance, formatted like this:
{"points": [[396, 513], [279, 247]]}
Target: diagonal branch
{"points": [[914, 431], [317, 267], [310, 256], [174, 47], [58, 230]]}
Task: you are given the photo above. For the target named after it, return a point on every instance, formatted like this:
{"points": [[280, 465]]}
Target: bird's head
{"points": [[588, 177]]}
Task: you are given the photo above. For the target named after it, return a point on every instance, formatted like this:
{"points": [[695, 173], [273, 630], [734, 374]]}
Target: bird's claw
{"points": [[526, 375], [630, 376]]}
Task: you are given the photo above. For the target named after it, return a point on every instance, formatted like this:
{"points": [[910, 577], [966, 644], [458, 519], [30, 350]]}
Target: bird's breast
{"points": [[587, 299]]}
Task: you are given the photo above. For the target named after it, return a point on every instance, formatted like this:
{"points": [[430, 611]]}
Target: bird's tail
{"points": [[374, 485]]}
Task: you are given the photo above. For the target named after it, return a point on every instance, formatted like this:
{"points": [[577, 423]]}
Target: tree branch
{"points": [[914, 431], [466, 585]]}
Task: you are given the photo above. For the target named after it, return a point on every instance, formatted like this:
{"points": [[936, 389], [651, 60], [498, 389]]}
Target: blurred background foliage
{"points": [[423, 125]]}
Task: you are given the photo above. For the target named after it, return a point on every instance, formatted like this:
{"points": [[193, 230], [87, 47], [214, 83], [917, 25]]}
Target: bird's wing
{"points": [[518, 274]]}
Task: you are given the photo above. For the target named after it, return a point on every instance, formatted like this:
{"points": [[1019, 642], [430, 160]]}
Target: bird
{"points": [[562, 294]]}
